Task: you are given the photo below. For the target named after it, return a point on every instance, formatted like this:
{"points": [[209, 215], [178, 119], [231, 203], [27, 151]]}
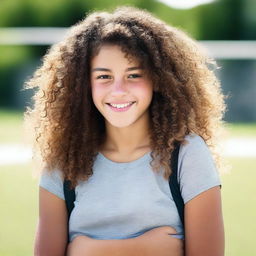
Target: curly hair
{"points": [[187, 97]]}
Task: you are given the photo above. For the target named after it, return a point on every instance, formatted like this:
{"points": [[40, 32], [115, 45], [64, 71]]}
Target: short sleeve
{"points": [[53, 182], [196, 168]]}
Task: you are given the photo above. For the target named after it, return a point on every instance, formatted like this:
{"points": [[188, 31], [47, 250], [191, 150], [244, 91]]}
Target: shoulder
{"points": [[52, 180], [194, 148], [193, 141], [195, 151], [55, 175], [197, 171]]}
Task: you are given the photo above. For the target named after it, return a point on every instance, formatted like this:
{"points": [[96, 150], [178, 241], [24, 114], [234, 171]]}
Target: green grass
{"points": [[242, 130], [239, 207], [19, 197], [11, 126], [19, 211]]}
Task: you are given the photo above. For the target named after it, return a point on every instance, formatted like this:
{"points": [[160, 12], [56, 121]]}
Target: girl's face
{"points": [[120, 90]]}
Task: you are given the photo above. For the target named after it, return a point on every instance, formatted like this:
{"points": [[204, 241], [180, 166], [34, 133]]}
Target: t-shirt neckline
{"points": [[133, 163]]}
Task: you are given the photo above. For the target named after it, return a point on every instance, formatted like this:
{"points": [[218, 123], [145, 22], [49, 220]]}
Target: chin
{"points": [[120, 124]]}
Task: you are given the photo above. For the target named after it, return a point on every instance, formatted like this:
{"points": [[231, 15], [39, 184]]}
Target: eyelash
{"points": [[136, 75], [108, 76], [100, 77]]}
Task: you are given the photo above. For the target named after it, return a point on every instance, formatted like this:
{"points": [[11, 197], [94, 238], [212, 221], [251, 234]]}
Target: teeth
{"points": [[120, 105]]}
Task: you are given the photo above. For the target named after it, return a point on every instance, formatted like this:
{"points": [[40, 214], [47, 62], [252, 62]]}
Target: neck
{"points": [[127, 139]]}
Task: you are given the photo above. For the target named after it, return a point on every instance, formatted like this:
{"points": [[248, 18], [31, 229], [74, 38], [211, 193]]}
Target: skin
{"points": [[51, 234]]}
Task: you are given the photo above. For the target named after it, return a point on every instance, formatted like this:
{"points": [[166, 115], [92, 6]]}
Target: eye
{"points": [[103, 77], [134, 76]]}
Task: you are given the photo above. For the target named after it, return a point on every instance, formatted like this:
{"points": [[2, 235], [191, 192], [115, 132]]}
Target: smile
{"points": [[120, 107]]}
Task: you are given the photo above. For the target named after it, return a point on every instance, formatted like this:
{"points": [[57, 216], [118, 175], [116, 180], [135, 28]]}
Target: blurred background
{"points": [[227, 28]]}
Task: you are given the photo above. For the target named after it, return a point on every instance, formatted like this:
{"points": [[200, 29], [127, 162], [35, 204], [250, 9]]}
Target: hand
{"points": [[159, 242], [79, 246]]}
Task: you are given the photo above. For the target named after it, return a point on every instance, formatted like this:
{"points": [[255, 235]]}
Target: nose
{"points": [[118, 87]]}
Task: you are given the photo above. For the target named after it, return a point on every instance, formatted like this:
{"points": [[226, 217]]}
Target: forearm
{"points": [[122, 247], [138, 246], [82, 246]]}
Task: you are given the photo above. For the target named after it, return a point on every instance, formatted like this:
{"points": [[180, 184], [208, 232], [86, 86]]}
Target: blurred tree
{"points": [[11, 59], [249, 20], [57, 13], [228, 20]]}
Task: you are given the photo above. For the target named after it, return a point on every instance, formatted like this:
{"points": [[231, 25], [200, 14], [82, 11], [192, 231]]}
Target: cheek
{"points": [[96, 98], [97, 94], [145, 91]]}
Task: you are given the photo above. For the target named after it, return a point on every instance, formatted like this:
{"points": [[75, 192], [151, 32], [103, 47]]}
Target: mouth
{"points": [[121, 107]]}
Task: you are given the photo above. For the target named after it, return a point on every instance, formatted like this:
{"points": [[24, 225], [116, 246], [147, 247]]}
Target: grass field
{"points": [[19, 197]]}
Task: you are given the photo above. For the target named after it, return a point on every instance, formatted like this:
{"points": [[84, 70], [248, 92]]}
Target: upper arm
{"points": [[204, 229], [51, 235]]}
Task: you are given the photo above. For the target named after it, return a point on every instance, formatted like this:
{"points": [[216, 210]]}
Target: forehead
{"points": [[112, 55]]}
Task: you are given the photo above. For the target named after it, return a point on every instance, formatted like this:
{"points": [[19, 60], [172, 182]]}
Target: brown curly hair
{"points": [[187, 97]]}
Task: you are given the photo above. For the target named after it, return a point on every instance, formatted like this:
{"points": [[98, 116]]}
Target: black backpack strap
{"points": [[174, 185], [69, 195]]}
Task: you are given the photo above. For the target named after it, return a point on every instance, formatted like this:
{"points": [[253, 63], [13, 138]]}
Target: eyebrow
{"points": [[109, 70]]}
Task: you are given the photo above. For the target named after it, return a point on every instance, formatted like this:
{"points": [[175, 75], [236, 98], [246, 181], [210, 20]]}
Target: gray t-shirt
{"points": [[124, 200]]}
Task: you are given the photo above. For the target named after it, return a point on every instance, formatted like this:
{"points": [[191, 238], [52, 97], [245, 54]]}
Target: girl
{"points": [[113, 97]]}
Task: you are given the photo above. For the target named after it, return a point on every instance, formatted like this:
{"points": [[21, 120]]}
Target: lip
{"points": [[120, 102], [120, 109]]}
